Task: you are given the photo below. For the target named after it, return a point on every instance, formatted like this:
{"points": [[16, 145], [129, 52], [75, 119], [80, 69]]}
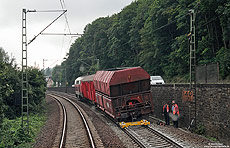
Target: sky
{"points": [[51, 48]]}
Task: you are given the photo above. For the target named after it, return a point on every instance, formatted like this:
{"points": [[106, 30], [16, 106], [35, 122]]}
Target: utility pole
{"points": [[65, 76], [43, 69], [44, 64], [24, 93], [24, 82], [192, 48]]}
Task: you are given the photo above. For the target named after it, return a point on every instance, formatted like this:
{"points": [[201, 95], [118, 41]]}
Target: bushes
{"points": [[10, 91], [11, 132], [10, 88], [223, 57], [200, 129], [37, 88], [13, 135]]}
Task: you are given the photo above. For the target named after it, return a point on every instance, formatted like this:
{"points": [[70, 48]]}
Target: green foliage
{"points": [[58, 75], [10, 89], [37, 88], [13, 135], [153, 34], [200, 129], [7, 84], [211, 138], [223, 57]]}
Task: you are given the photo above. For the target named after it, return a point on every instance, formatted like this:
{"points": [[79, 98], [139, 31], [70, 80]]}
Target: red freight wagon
{"points": [[84, 87], [123, 92]]}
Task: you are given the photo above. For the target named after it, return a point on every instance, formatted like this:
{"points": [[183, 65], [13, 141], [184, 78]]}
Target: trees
{"points": [[6, 87], [37, 89], [153, 34], [11, 133], [10, 88]]}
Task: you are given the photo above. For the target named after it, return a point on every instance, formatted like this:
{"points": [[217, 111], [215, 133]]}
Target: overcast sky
{"points": [[51, 48]]}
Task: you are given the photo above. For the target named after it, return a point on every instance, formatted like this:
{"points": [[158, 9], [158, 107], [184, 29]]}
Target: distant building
{"points": [[50, 82]]}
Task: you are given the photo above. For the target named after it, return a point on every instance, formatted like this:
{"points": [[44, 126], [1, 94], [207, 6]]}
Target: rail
{"points": [[173, 143], [134, 138], [152, 133], [83, 119], [150, 138], [61, 143]]}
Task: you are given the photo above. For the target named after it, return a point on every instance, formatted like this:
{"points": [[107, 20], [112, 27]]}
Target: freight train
{"points": [[122, 93]]}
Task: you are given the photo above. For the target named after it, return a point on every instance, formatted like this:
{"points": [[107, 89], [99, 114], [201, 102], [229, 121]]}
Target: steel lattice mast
{"points": [[192, 46], [24, 93]]}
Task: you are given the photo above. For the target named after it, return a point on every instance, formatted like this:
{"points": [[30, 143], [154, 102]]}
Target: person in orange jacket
{"points": [[166, 113], [176, 113]]}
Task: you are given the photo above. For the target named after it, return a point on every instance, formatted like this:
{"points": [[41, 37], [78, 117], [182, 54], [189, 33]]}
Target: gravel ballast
{"points": [[49, 131]]}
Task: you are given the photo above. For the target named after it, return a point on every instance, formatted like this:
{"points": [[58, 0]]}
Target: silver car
{"points": [[156, 80]]}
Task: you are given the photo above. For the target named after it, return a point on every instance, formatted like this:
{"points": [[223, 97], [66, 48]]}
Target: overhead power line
{"points": [[77, 34], [62, 5], [170, 23], [64, 11], [45, 10], [212, 20]]}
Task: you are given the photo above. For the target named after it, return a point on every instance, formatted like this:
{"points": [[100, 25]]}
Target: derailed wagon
{"points": [[123, 93]]}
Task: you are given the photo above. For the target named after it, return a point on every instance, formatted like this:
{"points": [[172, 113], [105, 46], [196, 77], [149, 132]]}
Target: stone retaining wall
{"points": [[213, 107], [62, 89]]}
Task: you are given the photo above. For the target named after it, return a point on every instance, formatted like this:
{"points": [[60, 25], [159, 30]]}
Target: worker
{"points": [[166, 113], [176, 114]]}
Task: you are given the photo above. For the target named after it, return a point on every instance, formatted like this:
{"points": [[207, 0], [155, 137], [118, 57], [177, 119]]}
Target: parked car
{"points": [[156, 80]]}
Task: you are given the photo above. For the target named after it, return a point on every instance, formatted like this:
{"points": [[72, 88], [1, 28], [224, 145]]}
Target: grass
{"points": [[202, 131], [13, 135], [211, 138]]}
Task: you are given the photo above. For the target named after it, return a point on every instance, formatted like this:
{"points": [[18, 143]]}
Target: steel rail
{"points": [[164, 137], [61, 144], [83, 118], [135, 139], [126, 130]]}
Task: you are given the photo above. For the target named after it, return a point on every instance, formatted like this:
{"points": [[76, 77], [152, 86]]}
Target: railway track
{"points": [[147, 137], [64, 123], [77, 133]]}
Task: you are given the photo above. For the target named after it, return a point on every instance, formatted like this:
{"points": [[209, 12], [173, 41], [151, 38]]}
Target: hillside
{"points": [[153, 34]]}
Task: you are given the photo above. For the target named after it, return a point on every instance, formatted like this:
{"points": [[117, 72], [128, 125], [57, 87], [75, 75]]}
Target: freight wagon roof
{"points": [[121, 75], [87, 78]]}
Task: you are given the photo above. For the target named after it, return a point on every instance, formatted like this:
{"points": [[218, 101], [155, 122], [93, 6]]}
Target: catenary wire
{"points": [[65, 15]]}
